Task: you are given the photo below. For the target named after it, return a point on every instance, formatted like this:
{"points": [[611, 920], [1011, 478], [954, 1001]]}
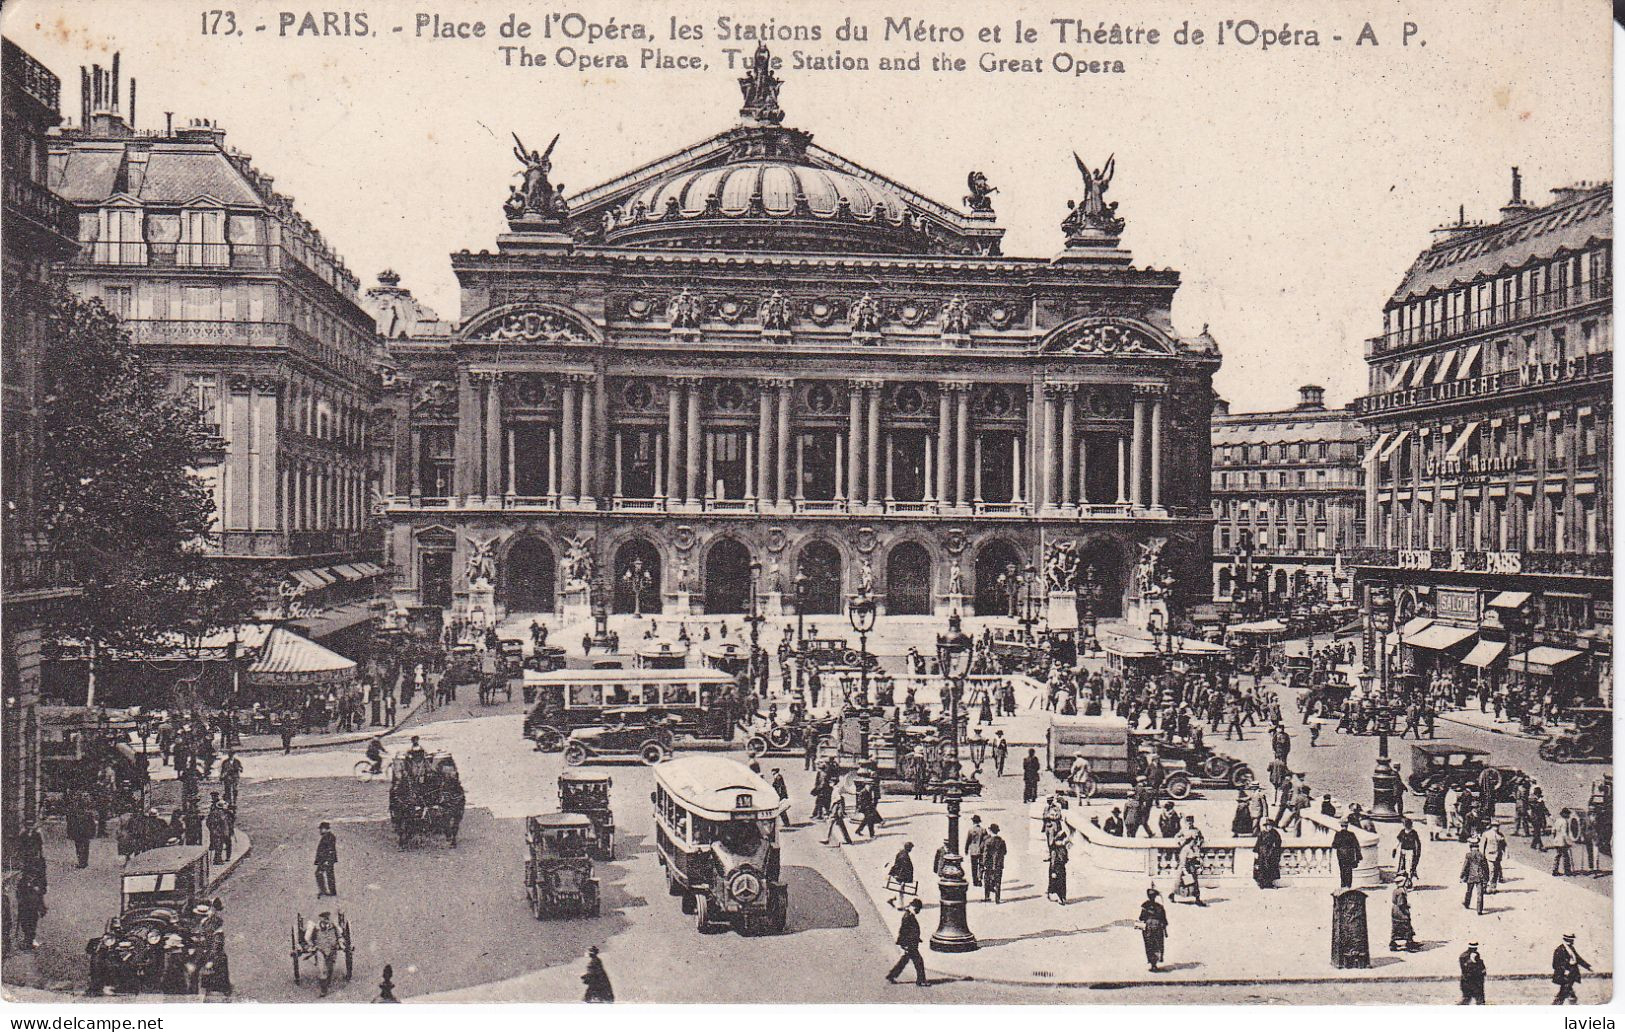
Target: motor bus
{"points": [[703, 702], [716, 835], [661, 654]]}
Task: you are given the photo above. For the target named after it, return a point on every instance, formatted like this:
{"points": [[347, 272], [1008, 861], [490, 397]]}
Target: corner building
{"points": [[1489, 479], [756, 349]]}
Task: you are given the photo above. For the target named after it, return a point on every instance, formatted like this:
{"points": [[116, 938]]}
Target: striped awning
{"points": [[1509, 600], [289, 659], [1439, 637], [1484, 654], [1420, 376], [1469, 360], [310, 579], [1542, 659], [1399, 375], [1376, 446], [1461, 442], [1442, 373], [1393, 446]]}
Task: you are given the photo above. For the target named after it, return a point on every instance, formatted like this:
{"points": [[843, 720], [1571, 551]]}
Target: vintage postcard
{"points": [[819, 502]]}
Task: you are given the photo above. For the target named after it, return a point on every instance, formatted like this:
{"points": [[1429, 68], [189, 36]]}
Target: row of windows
{"points": [[1502, 297], [1293, 508], [1245, 454], [1502, 355], [1555, 436], [1223, 479], [1563, 523], [1295, 538]]}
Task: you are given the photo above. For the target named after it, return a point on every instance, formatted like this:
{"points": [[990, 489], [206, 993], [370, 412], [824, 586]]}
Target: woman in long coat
{"points": [[1153, 926], [1057, 869], [1402, 935], [1267, 856]]}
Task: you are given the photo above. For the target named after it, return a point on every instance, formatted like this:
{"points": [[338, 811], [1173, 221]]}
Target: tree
{"points": [[119, 493]]}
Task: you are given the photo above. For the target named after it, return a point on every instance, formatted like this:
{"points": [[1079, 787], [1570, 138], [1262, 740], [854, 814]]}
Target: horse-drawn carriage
{"points": [[425, 797], [318, 943]]}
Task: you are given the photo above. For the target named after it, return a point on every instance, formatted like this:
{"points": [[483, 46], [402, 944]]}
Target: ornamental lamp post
{"points": [[1011, 583], [801, 627], [860, 609], [953, 934], [754, 618], [636, 578], [1387, 793]]}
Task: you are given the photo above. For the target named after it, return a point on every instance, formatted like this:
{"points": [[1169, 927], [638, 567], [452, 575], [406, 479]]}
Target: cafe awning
{"points": [[291, 660], [1509, 600], [1258, 627], [1542, 659], [1415, 625], [331, 621], [1439, 637], [1484, 654], [310, 579]]}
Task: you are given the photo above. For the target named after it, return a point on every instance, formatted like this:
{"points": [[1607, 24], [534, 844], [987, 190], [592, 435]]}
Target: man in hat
{"points": [[322, 938], [596, 979], [1475, 874], [1472, 976], [1494, 845], [1030, 767], [1153, 926], [1566, 965], [783, 791], [1347, 848], [994, 850], [1409, 849], [327, 861], [908, 939], [975, 839], [1001, 752]]}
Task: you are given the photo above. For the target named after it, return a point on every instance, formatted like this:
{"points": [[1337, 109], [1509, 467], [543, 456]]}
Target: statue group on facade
{"points": [[685, 310], [536, 196], [1151, 579], [864, 315], [980, 198], [1061, 566], [1093, 216], [759, 89], [482, 563], [578, 563], [776, 313], [956, 316]]}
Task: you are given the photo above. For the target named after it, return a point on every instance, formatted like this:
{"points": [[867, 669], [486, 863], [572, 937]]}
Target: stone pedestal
{"points": [[680, 604], [951, 603], [1138, 612], [480, 605], [1063, 610], [773, 604], [577, 603]]}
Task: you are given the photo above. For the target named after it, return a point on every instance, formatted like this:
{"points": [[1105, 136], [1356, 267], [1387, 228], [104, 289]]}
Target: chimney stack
{"points": [[1311, 398], [1517, 205]]}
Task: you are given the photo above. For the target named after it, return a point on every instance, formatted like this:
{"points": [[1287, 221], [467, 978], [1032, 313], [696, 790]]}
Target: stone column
{"points": [[601, 439], [783, 493], [466, 451], [854, 441], [962, 446], [764, 442], [930, 470], [1035, 444], [891, 461], [414, 483], [977, 465], [1050, 468], [671, 489], [1156, 451], [751, 451], [871, 476], [1083, 469], [553, 463], [509, 480], [1136, 473], [710, 466], [1122, 470], [840, 469], [1069, 444], [620, 469], [694, 430], [568, 450], [585, 476], [944, 439], [493, 438], [801, 467], [1016, 480]]}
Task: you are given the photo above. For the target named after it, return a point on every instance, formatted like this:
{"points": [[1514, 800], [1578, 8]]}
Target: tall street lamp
{"points": [[1089, 597], [801, 628], [953, 934], [754, 618], [1386, 790], [636, 578], [1029, 600], [1010, 580], [861, 611]]}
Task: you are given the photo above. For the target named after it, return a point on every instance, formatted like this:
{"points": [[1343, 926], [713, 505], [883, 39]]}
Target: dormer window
{"points": [[203, 238], [120, 240]]}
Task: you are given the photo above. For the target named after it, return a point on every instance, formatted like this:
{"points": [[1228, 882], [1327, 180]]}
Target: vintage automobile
{"points": [[1203, 762], [786, 738], [1601, 805], [167, 938], [835, 652], [878, 737], [1454, 766], [305, 947], [558, 870], [1115, 754], [1591, 737], [627, 731], [717, 836], [587, 793], [1298, 671], [425, 797]]}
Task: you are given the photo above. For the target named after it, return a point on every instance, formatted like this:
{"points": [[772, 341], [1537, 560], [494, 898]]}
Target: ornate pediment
{"points": [[531, 323], [1110, 338]]}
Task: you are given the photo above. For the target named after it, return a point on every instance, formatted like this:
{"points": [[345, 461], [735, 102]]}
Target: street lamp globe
{"points": [[860, 609], [954, 651]]}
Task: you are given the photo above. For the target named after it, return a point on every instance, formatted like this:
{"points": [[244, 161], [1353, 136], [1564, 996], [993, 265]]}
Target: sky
{"points": [[1290, 185]]}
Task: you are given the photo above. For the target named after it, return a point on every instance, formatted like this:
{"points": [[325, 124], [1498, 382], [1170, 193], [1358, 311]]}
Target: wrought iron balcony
{"points": [[1508, 314], [32, 202]]}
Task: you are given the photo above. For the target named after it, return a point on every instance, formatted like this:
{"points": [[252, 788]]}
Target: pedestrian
{"points": [[389, 707], [1242, 823], [1495, 847], [219, 832], [1057, 870], [30, 907], [784, 795], [1409, 850], [1566, 965], [1347, 848], [1267, 855], [908, 939], [837, 819], [994, 851], [231, 773], [1475, 874], [285, 730], [1153, 926], [1472, 976], [596, 979], [1562, 843], [868, 807], [975, 839], [900, 875], [1401, 933], [1001, 752], [1030, 767], [81, 828], [810, 752], [1538, 816], [327, 861]]}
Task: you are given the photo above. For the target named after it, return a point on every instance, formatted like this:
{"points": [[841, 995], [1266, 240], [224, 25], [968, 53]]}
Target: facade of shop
{"points": [[756, 351], [1489, 472], [1288, 492]]}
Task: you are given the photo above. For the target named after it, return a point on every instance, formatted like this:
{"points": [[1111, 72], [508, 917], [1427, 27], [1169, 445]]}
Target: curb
{"points": [[241, 846], [349, 739], [1492, 730]]}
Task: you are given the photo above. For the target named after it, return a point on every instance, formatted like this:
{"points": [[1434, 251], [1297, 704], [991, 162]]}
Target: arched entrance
{"points": [[1300, 584], [528, 577], [1280, 585], [908, 580], [727, 577], [995, 558], [1226, 582], [1106, 557], [637, 577], [821, 563]]}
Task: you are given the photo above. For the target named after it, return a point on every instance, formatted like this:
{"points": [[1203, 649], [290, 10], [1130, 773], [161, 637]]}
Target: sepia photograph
{"points": [[509, 503]]}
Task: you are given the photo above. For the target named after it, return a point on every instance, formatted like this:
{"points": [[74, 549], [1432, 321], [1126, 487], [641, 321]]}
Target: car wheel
{"points": [[1216, 767], [575, 754], [756, 747], [549, 740], [1178, 786], [691, 901], [703, 916], [1241, 776], [652, 753]]}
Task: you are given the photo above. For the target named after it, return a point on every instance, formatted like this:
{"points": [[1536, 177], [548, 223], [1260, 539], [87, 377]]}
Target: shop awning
{"points": [[1393, 445], [349, 572], [1420, 376], [1442, 373], [289, 659], [1509, 600], [1400, 374], [1461, 442], [1376, 446], [1439, 637], [1258, 627], [369, 569], [332, 621], [310, 579], [1468, 361], [1484, 654], [1542, 659], [1414, 625]]}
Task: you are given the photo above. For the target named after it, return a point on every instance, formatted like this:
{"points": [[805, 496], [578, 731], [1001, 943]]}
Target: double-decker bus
{"points": [[717, 836], [703, 702]]}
